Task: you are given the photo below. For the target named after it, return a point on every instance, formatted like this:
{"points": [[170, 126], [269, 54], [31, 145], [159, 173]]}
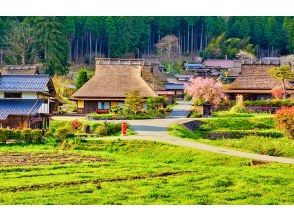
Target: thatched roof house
{"points": [[112, 80], [254, 82]]}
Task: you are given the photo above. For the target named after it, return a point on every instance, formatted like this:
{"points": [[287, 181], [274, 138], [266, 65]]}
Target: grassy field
{"points": [[137, 172], [267, 140]]}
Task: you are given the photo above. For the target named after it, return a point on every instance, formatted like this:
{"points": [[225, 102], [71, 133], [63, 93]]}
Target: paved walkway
{"points": [[181, 110]]}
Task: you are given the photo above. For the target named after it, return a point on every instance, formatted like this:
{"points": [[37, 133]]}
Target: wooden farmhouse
{"points": [[254, 83], [26, 100], [113, 79]]}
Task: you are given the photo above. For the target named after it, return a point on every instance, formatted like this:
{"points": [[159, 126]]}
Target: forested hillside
{"points": [[57, 41]]}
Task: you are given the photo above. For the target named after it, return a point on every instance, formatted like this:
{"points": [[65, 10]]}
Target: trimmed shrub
{"points": [[94, 116], [22, 136], [236, 134], [5, 135], [285, 121], [154, 103], [270, 103]]}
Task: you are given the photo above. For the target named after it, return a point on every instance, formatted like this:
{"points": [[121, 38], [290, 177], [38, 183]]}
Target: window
{"points": [[12, 95], [103, 105]]}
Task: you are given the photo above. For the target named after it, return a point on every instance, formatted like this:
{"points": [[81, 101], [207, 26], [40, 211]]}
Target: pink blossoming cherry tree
{"points": [[207, 89]]}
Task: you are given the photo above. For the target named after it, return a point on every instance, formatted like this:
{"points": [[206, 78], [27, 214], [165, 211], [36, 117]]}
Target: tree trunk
{"points": [[70, 48], [201, 38], [23, 58], [82, 47], [179, 41], [184, 44], [100, 48], [192, 39], [90, 45], [284, 89], [77, 49], [188, 41], [96, 46], [108, 52]]}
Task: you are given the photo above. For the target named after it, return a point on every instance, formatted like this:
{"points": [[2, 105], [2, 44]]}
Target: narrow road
{"points": [[181, 110]]}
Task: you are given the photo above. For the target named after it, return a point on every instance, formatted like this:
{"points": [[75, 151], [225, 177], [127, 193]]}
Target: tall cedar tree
{"points": [[53, 44]]}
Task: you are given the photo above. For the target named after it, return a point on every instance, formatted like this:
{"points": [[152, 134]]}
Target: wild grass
{"points": [[140, 172]]}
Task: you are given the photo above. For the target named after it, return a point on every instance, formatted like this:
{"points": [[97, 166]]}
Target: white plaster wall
{"points": [[29, 95], [44, 108]]}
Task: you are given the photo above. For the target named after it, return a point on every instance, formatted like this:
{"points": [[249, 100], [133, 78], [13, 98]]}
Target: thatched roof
{"points": [[30, 69], [114, 81], [256, 77]]}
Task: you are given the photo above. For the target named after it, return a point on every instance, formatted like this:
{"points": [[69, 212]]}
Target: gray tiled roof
{"points": [[172, 86], [23, 107], [24, 83]]}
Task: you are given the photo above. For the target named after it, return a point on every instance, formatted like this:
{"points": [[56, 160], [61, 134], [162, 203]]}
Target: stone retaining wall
{"points": [[192, 125]]}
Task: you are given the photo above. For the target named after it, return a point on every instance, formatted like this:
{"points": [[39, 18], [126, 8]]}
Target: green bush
{"points": [[63, 133], [22, 136], [94, 116], [238, 109], [196, 115], [5, 135], [155, 103], [113, 128], [242, 123], [102, 130], [106, 128], [198, 102], [236, 134], [270, 103]]}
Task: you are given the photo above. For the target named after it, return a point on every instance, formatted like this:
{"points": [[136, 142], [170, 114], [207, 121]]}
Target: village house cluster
{"points": [[28, 98]]}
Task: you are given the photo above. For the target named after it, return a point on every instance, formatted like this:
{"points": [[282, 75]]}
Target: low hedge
{"points": [[270, 103], [236, 134], [21, 136], [128, 117]]}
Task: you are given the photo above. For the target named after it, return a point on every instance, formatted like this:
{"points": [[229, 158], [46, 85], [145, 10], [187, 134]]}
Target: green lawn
{"points": [[261, 136], [137, 172]]}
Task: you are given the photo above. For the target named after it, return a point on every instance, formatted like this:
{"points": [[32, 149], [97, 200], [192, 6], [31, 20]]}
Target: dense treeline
{"points": [[55, 41]]}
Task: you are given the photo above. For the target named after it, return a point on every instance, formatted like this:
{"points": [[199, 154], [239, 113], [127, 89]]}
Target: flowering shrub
{"points": [[285, 121], [76, 124], [278, 92], [206, 89]]}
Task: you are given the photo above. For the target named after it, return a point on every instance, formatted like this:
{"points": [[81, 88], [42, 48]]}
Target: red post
{"points": [[124, 128]]}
